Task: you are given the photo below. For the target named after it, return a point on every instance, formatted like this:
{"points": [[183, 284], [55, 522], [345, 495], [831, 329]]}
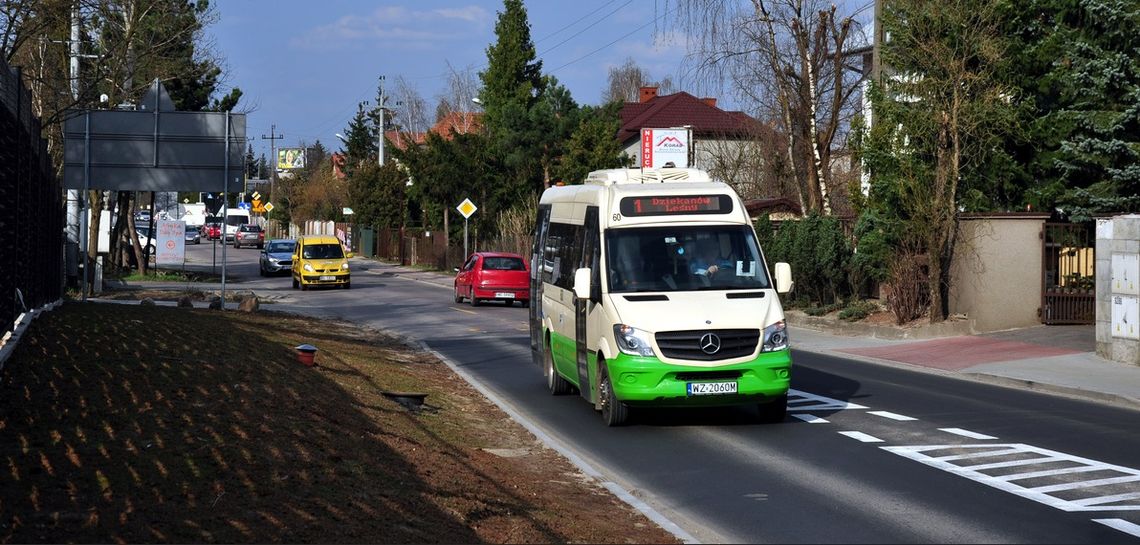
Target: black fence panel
{"points": [[31, 208]]}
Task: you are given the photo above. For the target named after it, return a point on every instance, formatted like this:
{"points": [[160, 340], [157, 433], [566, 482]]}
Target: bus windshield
{"points": [[684, 258]]}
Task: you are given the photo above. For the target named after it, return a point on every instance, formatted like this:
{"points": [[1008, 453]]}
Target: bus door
{"points": [[589, 258], [541, 227]]}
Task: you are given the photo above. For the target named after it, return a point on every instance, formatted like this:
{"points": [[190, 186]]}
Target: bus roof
{"points": [[646, 176]]}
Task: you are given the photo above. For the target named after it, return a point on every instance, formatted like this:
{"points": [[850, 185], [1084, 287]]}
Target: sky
{"points": [[303, 65]]}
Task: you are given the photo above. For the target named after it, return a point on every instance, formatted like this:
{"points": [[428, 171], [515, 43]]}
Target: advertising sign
{"points": [[170, 248], [665, 148], [290, 158]]}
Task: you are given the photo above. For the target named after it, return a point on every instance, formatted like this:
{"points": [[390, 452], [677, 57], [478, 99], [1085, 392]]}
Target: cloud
{"points": [[396, 28]]}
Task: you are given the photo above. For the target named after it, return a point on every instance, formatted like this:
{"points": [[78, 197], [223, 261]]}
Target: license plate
{"points": [[504, 295], [710, 388], [327, 278]]}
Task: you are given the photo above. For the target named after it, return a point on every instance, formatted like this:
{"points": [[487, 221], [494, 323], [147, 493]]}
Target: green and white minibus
{"points": [[648, 289]]}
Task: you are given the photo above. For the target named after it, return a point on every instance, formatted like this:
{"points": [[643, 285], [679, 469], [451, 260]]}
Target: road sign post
{"points": [[466, 208]]}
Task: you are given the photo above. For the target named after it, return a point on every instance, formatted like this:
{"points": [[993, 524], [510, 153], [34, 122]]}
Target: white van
{"points": [[648, 288], [234, 218]]}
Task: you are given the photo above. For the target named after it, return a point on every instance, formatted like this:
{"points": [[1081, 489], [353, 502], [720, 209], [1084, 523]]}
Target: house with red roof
{"points": [[724, 142]]}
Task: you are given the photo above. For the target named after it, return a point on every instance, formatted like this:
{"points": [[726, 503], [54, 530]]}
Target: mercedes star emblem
{"points": [[710, 343]]}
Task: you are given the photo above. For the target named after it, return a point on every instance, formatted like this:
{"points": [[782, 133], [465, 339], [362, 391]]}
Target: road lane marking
{"points": [[1120, 525], [810, 418], [967, 433], [462, 310], [860, 436], [803, 401], [1106, 487], [892, 416]]}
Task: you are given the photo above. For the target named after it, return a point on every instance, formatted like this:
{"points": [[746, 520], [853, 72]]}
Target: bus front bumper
{"points": [[647, 381]]}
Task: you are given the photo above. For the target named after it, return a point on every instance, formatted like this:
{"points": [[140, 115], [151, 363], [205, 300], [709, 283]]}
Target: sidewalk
{"points": [[1055, 359]]}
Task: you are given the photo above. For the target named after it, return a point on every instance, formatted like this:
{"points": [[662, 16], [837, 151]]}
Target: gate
{"points": [[1068, 291]]}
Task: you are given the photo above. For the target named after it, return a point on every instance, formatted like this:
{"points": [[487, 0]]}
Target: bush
{"points": [[817, 251], [857, 310], [909, 294]]}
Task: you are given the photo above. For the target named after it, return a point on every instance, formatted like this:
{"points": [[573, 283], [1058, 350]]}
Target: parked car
{"points": [[320, 260], [277, 257], [193, 236], [146, 240], [493, 276], [249, 234]]}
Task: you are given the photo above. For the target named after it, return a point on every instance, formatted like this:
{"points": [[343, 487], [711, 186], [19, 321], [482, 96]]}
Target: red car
{"points": [[213, 231], [497, 276]]}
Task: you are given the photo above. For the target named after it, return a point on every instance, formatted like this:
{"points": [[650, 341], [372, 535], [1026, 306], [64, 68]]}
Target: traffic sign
{"points": [[466, 208], [268, 207], [256, 196], [244, 205]]}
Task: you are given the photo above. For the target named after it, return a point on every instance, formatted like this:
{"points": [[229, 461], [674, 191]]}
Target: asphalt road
{"points": [[869, 453]]}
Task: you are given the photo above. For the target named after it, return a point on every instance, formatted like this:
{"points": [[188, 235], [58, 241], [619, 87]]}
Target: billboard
{"points": [[153, 148], [290, 158], [171, 246], [664, 148]]}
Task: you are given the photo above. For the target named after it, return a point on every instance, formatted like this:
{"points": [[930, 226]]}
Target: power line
{"points": [[576, 21], [630, 33], [588, 27]]}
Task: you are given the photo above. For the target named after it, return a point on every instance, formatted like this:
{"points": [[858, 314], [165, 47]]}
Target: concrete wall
{"points": [[1117, 289], [996, 273]]}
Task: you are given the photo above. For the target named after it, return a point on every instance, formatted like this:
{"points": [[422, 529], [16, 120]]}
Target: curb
{"points": [[1071, 392]]}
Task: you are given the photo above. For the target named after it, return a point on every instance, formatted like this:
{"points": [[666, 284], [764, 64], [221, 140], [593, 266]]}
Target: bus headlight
{"points": [[775, 337], [633, 341]]}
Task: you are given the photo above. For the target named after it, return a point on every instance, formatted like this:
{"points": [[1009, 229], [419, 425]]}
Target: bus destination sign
{"points": [[676, 205]]}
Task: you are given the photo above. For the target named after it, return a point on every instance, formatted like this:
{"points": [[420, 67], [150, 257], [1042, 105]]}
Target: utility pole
{"points": [[382, 99], [272, 138]]}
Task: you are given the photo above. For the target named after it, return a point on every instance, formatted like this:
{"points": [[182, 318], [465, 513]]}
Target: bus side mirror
{"points": [[582, 283], [784, 282]]}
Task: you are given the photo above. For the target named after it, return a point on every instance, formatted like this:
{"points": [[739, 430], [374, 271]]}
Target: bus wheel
{"points": [[774, 411], [614, 412], [554, 382]]}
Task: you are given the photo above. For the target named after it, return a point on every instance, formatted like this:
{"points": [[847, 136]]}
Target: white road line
{"points": [[967, 433], [1115, 493], [810, 418], [860, 436], [1047, 473], [1086, 484], [803, 401], [983, 454], [892, 416], [1120, 525]]}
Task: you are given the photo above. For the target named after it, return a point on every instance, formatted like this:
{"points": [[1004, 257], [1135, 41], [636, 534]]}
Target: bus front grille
{"points": [[708, 344]]}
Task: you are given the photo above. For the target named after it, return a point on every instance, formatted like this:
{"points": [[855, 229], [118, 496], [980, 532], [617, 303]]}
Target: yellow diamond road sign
{"points": [[466, 208], [268, 207]]}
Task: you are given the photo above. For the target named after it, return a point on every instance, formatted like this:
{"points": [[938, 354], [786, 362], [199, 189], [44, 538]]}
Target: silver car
{"points": [[277, 257]]}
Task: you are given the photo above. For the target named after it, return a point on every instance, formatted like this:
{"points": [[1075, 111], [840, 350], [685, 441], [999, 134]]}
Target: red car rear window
{"points": [[503, 264]]}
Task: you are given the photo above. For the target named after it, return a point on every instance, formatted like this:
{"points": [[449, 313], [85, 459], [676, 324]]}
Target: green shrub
{"points": [[817, 251], [858, 310]]}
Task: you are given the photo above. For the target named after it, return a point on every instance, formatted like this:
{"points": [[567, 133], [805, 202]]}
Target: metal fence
{"points": [[31, 207]]}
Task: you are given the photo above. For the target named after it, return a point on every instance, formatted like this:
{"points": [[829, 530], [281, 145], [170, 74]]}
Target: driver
{"points": [[706, 262]]}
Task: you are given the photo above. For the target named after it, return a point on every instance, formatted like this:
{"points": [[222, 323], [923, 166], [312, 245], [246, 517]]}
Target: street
{"points": [[869, 453]]}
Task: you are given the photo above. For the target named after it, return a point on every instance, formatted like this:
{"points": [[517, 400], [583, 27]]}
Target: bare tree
{"points": [[752, 162], [626, 81], [788, 58], [411, 114], [458, 96]]}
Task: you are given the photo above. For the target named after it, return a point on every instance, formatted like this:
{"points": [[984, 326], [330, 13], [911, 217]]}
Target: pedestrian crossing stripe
{"points": [[799, 401], [1056, 479]]}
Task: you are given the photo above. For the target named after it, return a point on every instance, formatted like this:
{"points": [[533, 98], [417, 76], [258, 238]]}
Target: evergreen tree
{"points": [[512, 87], [360, 147], [1078, 71], [592, 146]]}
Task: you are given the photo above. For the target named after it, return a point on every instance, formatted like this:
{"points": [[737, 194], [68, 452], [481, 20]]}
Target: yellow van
{"points": [[319, 260]]}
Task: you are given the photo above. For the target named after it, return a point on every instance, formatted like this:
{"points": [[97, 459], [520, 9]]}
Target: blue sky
{"points": [[303, 64]]}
